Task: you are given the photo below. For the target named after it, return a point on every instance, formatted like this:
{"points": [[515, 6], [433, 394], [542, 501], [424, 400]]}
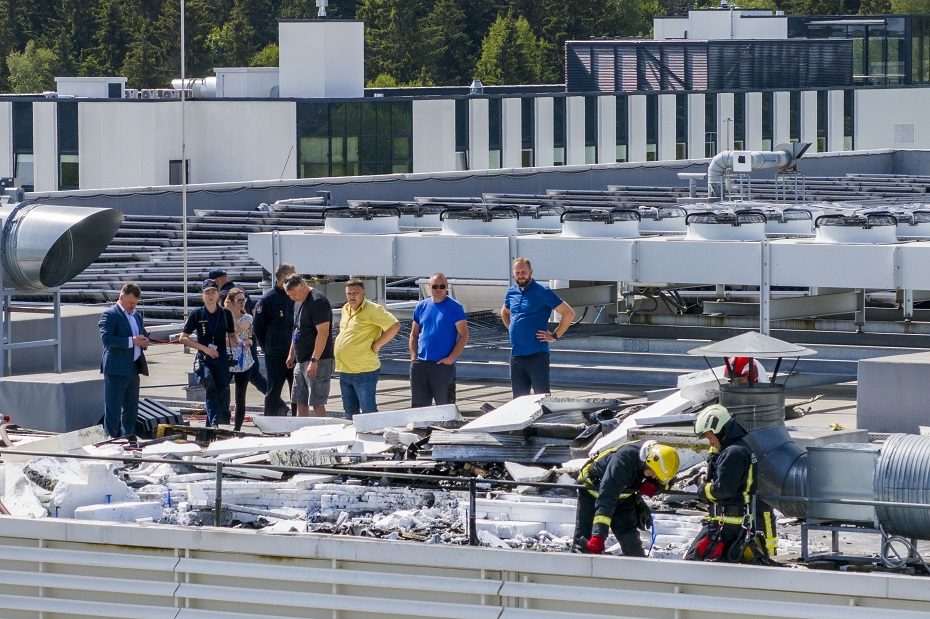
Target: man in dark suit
{"points": [[124, 341]]}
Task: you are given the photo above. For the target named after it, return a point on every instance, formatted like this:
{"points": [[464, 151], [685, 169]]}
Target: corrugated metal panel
{"points": [[605, 76]]}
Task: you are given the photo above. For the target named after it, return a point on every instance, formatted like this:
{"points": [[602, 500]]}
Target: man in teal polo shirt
{"points": [[526, 311]]}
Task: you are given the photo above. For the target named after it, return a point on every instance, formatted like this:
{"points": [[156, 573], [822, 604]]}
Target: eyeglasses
{"points": [[438, 286], [239, 300]]}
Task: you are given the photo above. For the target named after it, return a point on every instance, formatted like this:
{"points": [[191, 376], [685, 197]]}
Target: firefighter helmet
{"points": [[712, 419], [663, 461]]}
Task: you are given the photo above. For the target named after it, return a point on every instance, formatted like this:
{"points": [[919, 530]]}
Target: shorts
{"points": [[315, 392]]}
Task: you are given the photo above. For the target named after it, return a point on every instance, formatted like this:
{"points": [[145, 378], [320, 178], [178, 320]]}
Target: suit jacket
{"points": [[115, 332]]}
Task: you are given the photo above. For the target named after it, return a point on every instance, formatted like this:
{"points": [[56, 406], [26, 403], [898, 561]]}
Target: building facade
{"points": [[67, 143]]}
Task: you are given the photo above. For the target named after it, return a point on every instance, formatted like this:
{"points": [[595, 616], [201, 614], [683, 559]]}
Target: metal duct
{"points": [[782, 465], [784, 157], [902, 475], [46, 245]]}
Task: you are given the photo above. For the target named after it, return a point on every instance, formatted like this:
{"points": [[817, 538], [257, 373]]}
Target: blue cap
{"points": [[215, 273], [209, 284]]}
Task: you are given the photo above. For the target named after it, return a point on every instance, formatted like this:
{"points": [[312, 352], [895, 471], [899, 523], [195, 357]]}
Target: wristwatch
{"points": [[312, 360], [555, 335]]}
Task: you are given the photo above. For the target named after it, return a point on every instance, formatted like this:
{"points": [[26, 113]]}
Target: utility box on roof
{"points": [[843, 470], [322, 59]]}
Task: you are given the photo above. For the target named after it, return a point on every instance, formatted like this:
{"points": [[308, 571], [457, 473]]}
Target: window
{"points": [[23, 168], [823, 122], [558, 131], [652, 127], [623, 131], [590, 130], [114, 90], [849, 120], [495, 126], [528, 131], [681, 126], [794, 113], [461, 134], [897, 54], [710, 124], [174, 171], [739, 121], [352, 138], [768, 120], [68, 146]]}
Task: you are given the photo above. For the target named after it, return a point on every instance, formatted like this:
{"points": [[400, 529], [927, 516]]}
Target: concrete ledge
{"points": [[53, 402], [893, 393]]}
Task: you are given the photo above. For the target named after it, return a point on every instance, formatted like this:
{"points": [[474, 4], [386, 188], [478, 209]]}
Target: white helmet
{"points": [[712, 419]]}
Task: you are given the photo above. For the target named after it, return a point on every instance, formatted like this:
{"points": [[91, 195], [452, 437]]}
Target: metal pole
{"points": [[58, 330], [183, 158], [472, 507], [765, 290], [218, 499]]}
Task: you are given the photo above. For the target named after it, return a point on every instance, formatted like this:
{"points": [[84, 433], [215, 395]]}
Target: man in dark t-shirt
{"points": [[311, 353], [215, 332]]}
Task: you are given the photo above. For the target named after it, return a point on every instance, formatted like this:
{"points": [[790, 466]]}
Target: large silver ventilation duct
{"points": [[44, 246], [901, 471], [784, 157], [782, 465]]}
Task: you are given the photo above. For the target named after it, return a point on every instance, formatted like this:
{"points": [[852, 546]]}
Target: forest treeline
{"points": [[408, 42]]}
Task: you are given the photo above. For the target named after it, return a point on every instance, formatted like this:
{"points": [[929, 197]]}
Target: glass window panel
{"points": [[400, 168], [401, 118], [67, 127], [369, 118], [528, 158], [558, 156], [337, 149], [384, 147], [68, 172], [621, 153], [401, 148], [623, 119], [352, 149], [368, 167], [876, 52], [494, 159], [368, 148], [384, 119], [22, 127], [353, 118], [528, 123], [23, 169], [590, 154], [314, 150]]}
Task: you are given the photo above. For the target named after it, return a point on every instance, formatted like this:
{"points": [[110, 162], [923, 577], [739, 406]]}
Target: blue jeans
{"points": [[358, 392], [530, 371]]}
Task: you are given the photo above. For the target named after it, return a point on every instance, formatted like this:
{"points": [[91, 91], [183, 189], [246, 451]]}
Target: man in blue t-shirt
{"points": [[438, 336], [526, 311]]}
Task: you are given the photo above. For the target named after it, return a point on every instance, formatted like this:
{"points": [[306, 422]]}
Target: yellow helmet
{"points": [[712, 419], [663, 461]]}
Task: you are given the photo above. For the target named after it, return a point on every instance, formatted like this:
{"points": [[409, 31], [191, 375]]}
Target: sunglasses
{"points": [[239, 300], [438, 286]]}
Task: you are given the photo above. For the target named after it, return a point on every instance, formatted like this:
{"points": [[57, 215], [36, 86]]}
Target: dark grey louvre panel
{"points": [[707, 65]]}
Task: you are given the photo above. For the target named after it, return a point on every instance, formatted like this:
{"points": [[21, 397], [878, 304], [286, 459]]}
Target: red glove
{"points": [[596, 545], [649, 487]]}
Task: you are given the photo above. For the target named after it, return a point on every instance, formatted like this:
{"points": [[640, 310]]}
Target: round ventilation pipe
{"points": [[45, 245]]}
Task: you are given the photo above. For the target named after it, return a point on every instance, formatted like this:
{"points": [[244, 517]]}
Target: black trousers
{"points": [[278, 373], [241, 382], [622, 524], [431, 382]]}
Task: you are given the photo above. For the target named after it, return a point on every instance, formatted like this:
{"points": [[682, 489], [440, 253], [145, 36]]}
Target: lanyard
{"points": [[212, 323]]}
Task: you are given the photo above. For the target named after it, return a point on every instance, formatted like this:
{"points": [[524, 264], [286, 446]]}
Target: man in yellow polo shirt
{"points": [[364, 328]]}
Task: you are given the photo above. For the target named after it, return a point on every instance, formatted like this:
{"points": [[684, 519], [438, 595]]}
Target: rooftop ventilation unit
{"points": [[789, 221], [539, 217], [615, 223], [662, 220], [866, 228], [746, 225], [914, 224], [361, 220], [480, 221], [45, 245]]}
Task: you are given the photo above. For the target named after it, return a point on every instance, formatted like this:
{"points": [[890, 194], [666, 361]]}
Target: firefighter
{"points": [[738, 527], [616, 479]]}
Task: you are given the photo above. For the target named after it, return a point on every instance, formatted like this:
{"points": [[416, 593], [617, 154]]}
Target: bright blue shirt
{"points": [[530, 309], [438, 334]]}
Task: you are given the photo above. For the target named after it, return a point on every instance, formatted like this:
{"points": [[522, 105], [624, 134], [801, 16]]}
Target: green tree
{"points": [[392, 37], [445, 40], [33, 69], [510, 53], [230, 45], [110, 40], [383, 80], [266, 56], [910, 6]]}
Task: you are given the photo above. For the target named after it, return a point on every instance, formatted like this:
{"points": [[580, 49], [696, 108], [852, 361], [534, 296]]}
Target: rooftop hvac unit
{"points": [[866, 228], [746, 225], [539, 217], [786, 221], [413, 216], [361, 220], [662, 220], [616, 223], [914, 224], [480, 221]]}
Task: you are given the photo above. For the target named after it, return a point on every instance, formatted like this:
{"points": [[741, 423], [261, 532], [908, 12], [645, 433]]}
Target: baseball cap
{"points": [[208, 284], [213, 274]]}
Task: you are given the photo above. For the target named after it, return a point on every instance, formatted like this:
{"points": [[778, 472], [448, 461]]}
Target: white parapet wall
{"points": [[65, 568]]}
